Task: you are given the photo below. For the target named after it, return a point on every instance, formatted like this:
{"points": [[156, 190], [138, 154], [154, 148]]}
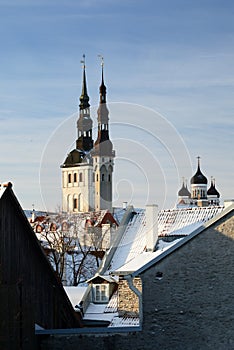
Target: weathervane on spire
{"points": [[102, 60], [83, 61]]}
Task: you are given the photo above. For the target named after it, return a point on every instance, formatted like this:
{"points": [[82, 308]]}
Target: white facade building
{"points": [[87, 169]]}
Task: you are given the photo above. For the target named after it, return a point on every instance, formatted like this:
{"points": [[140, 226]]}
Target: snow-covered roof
{"points": [[124, 321], [132, 242], [109, 312], [75, 221], [109, 279], [183, 241], [110, 308], [113, 303], [130, 256], [97, 312], [144, 258], [185, 220], [174, 222]]}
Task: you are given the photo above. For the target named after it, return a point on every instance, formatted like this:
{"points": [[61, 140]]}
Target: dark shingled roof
{"points": [[73, 158]]}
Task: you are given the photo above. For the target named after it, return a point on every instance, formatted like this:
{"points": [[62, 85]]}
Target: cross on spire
{"points": [[102, 60], [83, 61]]}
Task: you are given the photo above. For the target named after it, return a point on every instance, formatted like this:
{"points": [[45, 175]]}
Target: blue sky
{"points": [[175, 57]]}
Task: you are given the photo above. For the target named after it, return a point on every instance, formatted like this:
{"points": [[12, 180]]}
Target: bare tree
{"points": [[65, 242]]}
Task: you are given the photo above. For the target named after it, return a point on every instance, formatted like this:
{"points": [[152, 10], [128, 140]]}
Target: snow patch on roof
{"points": [[112, 306], [143, 258], [109, 279], [186, 220], [97, 312], [124, 321], [132, 243], [175, 222]]}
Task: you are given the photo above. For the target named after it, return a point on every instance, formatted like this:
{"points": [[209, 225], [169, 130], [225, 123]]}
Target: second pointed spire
{"points": [[84, 98]]}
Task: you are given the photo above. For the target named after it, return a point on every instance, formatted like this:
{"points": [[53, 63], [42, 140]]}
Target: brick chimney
{"points": [[151, 213]]}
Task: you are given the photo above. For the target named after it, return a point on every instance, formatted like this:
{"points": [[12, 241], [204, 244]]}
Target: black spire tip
{"points": [[102, 88], [84, 98]]}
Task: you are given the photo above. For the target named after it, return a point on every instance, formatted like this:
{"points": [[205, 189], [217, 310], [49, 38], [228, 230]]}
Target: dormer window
{"points": [[101, 293], [103, 288]]}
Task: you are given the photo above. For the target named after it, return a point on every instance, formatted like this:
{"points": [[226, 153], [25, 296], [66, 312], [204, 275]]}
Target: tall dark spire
{"points": [[84, 142], [84, 98], [103, 145], [84, 123], [102, 88]]}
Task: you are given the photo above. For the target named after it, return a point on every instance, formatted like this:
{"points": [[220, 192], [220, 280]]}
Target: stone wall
{"points": [[190, 308], [226, 227], [128, 302]]}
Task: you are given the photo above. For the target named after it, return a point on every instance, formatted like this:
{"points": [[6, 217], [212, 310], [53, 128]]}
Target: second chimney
{"points": [[151, 213]]}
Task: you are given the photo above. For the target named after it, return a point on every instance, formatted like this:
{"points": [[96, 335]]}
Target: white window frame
{"points": [[101, 293]]}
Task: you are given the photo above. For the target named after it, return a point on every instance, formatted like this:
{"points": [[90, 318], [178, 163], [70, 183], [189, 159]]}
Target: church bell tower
{"points": [[77, 169], [103, 154]]}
